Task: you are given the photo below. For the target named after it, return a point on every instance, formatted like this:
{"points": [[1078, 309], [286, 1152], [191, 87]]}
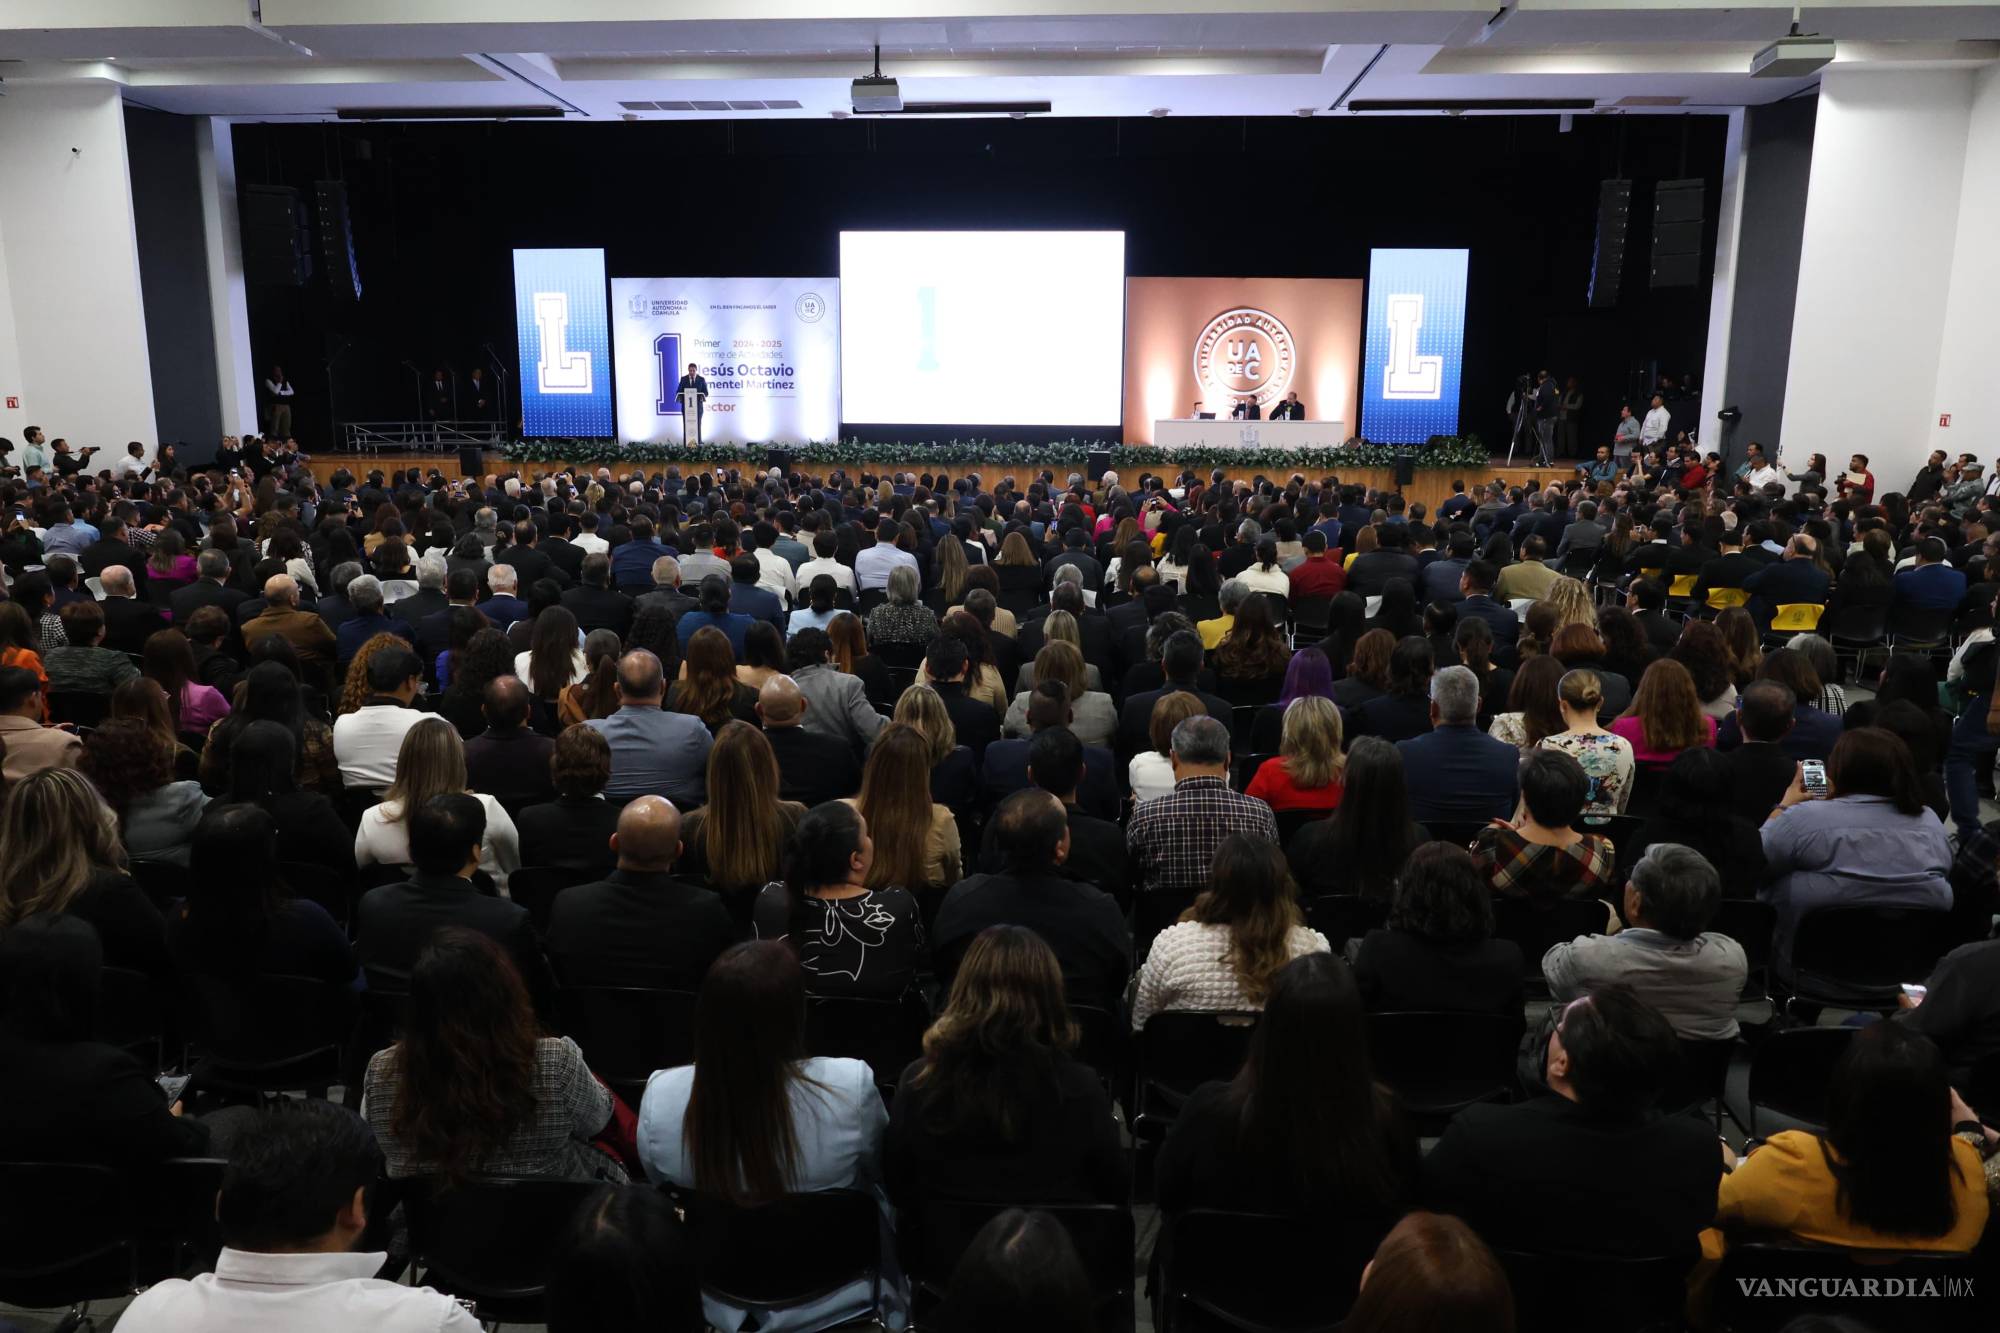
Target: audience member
{"points": [[508, 761], [627, 1261], [1539, 855], [1151, 772], [1021, 1271], [1666, 716], [736, 842], [271, 693], [367, 740], [1432, 1274], [653, 752], [432, 763], [1171, 839], [573, 832], [850, 938], [839, 701], [83, 665], [263, 771], [1361, 846], [1458, 773], [134, 772], [916, 838], [30, 745], [1437, 951], [813, 767]]}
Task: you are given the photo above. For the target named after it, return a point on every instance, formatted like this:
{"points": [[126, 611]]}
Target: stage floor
{"points": [[1430, 486]]}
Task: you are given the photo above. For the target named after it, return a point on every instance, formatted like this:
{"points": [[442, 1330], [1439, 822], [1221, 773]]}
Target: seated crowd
{"points": [[921, 813]]}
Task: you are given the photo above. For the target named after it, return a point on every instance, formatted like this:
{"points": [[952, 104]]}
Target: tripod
{"points": [[1524, 424]]}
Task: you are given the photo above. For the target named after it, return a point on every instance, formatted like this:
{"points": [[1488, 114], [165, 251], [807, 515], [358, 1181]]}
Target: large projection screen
{"points": [[990, 328]]}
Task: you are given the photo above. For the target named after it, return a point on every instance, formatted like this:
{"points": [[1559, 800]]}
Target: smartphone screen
{"points": [[1812, 776]]}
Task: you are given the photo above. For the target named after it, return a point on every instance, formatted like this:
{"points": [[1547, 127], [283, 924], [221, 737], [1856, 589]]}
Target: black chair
{"points": [[628, 1032], [1536, 929], [1458, 834], [163, 882], [932, 1235], [1248, 764], [488, 1239], [1440, 1063], [1620, 829], [1700, 1076], [321, 884], [1153, 910], [1763, 1286], [1981, 1089], [1790, 1070], [182, 1191], [260, 1034], [536, 887], [899, 656], [1291, 821], [886, 1033], [1259, 1273], [81, 708], [1750, 924], [869, 599], [1281, 609], [1858, 630], [1106, 1041], [828, 1240], [1585, 1293], [1648, 781], [67, 1237], [130, 1015], [1177, 1052], [1311, 620], [1345, 916], [1919, 629], [1859, 957]]}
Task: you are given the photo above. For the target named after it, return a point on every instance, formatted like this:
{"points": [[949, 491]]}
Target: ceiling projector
{"points": [[1792, 58], [874, 92]]}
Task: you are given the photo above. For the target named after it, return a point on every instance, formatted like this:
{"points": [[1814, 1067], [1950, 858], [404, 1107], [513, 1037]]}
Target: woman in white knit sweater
{"points": [[1225, 950]]}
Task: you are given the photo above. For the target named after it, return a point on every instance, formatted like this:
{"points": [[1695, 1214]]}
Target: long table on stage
{"points": [[1181, 433]]}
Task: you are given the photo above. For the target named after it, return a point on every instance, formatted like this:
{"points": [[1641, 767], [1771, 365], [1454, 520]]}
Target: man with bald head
{"points": [[639, 926], [813, 767], [309, 636], [127, 620], [507, 761], [653, 752]]}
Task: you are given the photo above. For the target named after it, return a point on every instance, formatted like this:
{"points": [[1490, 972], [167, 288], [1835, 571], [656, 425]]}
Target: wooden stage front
{"points": [[1431, 485]]}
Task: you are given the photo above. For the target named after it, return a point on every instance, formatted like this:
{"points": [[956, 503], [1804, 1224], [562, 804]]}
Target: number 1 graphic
{"points": [[666, 356]]}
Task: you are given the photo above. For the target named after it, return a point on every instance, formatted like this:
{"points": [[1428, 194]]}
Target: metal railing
{"points": [[380, 437]]}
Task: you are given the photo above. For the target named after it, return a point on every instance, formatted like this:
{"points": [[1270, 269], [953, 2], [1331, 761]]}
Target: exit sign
{"points": [[1944, 418], [13, 401]]}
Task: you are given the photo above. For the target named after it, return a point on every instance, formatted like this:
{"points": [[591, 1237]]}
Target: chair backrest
{"points": [[1750, 924], [131, 1013], [827, 1240], [898, 656], [489, 1239], [321, 884], [1177, 1052], [1256, 1271], [1561, 1293], [1291, 821], [1535, 929], [83, 708], [1459, 833], [66, 1234], [1920, 624], [1790, 1070], [1797, 617], [933, 1234], [1763, 1286], [1345, 916], [163, 882], [1852, 623], [886, 1033], [1312, 616], [268, 1032], [627, 1032], [1152, 912], [1862, 955], [1721, 599], [1699, 1076], [1106, 1044], [536, 887], [1438, 1063]]}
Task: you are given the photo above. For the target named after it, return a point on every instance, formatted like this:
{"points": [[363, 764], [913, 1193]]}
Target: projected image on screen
{"points": [[1002, 328]]}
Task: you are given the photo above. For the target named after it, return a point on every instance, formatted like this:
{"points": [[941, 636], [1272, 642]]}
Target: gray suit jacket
{"points": [[837, 705], [1582, 535]]}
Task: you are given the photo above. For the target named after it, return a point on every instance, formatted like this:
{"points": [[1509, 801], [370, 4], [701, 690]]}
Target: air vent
{"points": [[675, 106], [1407, 108], [783, 105], [640, 106], [1646, 100], [780, 105], [711, 106]]}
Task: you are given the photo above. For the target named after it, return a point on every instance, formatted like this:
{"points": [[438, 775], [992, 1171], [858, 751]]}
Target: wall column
{"points": [[235, 369]]}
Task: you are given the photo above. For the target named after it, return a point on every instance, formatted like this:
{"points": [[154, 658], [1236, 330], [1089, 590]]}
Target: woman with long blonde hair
{"points": [[431, 762], [1000, 1107], [1248, 918], [1572, 602], [738, 839], [1744, 645], [59, 841], [852, 658], [1306, 774], [916, 839], [952, 567]]}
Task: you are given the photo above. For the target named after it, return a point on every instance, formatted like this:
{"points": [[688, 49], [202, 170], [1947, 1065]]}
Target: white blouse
{"points": [[383, 838], [1189, 968]]}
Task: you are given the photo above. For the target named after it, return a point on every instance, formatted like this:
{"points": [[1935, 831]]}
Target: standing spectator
{"points": [[1172, 839]]}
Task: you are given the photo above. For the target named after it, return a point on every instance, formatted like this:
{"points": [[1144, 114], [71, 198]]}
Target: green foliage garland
{"points": [[1443, 451]]}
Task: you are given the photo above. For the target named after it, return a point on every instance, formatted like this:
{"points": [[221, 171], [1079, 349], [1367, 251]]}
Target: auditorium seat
{"points": [[488, 1239], [262, 1034], [627, 1032], [1176, 1052], [886, 1034], [1790, 1070], [931, 1238], [1345, 916], [829, 1239], [1259, 1273], [1583, 1293], [1440, 1063], [1859, 957]]}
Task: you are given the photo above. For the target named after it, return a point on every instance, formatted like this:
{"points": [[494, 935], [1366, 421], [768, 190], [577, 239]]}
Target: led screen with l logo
{"points": [[1415, 345], [565, 335]]}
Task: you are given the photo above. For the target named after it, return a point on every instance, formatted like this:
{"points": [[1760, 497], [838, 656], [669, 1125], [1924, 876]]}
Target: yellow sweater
{"points": [[1786, 1186]]}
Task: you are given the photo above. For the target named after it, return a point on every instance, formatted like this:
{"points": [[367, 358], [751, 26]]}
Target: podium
{"points": [[691, 404]]}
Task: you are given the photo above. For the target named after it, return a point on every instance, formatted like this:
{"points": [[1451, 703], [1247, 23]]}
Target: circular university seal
{"points": [[810, 307], [1245, 353]]}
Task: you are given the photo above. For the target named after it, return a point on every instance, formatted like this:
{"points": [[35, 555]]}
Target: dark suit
{"points": [[1724, 571], [570, 833], [1459, 774], [423, 602], [567, 558], [511, 766], [1536, 1173], [1369, 575], [1662, 630], [1288, 411], [635, 928], [503, 611], [83, 1101], [393, 923], [671, 600], [128, 622], [1096, 855], [533, 563], [813, 767], [109, 551], [1759, 773], [186, 601], [1004, 771], [599, 608], [693, 393], [1135, 719], [1812, 736], [1246, 412], [747, 599], [1081, 925], [433, 637], [350, 636], [1499, 617], [1782, 584], [978, 726]]}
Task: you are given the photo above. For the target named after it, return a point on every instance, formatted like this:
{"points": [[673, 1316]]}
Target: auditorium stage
{"points": [[1430, 485]]}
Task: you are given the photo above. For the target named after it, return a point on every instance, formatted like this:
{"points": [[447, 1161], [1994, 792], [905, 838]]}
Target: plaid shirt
{"points": [[1171, 838], [1517, 868]]}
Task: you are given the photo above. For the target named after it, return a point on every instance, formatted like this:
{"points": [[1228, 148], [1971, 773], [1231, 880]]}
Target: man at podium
{"points": [[693, 392], [1289, 410]]}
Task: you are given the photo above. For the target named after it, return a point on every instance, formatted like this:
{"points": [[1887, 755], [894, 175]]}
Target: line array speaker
{"points": [[277, 245], [1679, 208], [1614, 218], [336, 240]]}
